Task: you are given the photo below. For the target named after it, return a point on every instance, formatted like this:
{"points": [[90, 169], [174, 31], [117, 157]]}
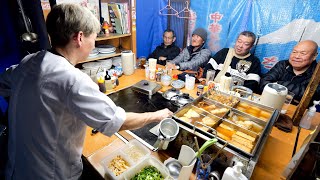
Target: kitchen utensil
{"points": [[146, 87], [217, 154], [214, 175], [197, 146], [28, 36], [172, 93], [174, 168], [274, 95], [168, 131], [182, 99], [207, 144]]}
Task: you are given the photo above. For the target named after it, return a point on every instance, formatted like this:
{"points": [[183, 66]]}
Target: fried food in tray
{"points": [[254, 111], [241, 139], [193, 114], [245, 122], [222, 98], [212, 107]]}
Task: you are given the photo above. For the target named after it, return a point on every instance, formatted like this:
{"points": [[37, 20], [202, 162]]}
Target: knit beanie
{"points": [[201, 32]]}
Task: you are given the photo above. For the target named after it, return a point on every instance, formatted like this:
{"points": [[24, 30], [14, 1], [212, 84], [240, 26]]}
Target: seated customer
{"points": [[193, 56], [237, 62], [296, 72], [167, 50]]}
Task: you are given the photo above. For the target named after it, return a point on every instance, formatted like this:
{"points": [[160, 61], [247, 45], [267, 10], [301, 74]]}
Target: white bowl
{"points": [[166, 80]]}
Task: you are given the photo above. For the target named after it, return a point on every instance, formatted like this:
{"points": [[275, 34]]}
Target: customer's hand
{"points": [[161, 58], [170, 65], [162, 114]]}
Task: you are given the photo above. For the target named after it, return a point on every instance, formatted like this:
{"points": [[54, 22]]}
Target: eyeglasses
{"points": [[166, 37]]}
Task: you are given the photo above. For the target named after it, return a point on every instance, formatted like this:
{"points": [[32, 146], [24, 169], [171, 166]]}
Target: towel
{"points": [[284, 123]]}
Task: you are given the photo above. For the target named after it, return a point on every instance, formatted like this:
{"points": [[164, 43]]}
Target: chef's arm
{"points": [[138, 120]]}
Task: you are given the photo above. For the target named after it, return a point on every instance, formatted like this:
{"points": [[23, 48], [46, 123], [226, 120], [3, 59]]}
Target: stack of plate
{"points": [[106, 49], [94, 66], [94, 53]]}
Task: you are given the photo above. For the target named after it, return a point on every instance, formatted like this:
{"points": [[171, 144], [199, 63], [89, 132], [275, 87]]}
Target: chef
{"points": [[51, 102]]}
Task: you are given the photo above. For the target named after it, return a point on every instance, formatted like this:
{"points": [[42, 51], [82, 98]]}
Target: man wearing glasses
{"points": [[167, 49]]}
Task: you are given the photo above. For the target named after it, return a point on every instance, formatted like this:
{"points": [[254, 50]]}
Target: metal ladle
{"points": [[175, 166], [28, 36]]}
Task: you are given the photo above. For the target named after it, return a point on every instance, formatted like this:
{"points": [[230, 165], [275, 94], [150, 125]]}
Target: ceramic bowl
{"points": [[166, 80]]}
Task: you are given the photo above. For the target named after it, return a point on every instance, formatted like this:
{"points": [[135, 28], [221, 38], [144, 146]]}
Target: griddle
{"points": [[134, 101]]}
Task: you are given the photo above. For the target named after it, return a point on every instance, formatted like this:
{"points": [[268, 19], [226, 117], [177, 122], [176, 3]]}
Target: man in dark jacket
{"points": [[296, 72], [167, 50], [237, 62]]}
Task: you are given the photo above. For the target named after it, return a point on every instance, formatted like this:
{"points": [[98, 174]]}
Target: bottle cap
{"points": [[237, 168]]}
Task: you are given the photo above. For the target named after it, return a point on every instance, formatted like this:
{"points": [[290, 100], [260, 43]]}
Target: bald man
{"points": [[296, 72]]}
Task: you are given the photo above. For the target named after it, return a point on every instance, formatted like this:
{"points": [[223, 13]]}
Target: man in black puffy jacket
{"points": [[296, 72]]}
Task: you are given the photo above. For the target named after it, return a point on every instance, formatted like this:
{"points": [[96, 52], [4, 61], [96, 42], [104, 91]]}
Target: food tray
{"points": [[194, 116], [223, 98], [136, 151], [109, 174], [133, 152], [147, 162], [239, 138]]}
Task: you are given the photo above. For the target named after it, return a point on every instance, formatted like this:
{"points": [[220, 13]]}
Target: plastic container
{"points": [[306, 121], [234, 173], [136, 151], [147, 162], [109, 174]]}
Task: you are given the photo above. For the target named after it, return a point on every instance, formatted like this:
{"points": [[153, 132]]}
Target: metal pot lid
{"points": [[171, 94], [183, 99]]}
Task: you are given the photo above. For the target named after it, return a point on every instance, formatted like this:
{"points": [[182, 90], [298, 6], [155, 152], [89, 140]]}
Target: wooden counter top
{"points": [[275, 156]]}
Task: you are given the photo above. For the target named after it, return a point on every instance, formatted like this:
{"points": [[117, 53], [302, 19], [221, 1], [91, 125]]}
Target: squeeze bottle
{"points": [[306, 121], [234, 173]]}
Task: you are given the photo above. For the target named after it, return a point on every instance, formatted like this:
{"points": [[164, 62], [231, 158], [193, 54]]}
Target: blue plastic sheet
{"points": [[279, 25]]}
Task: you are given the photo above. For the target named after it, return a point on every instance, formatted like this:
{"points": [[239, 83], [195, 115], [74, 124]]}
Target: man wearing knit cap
{"points": [[194, 56], [237, 62]]}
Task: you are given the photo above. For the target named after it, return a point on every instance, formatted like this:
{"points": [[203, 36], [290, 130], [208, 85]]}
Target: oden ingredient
{"points": [[148, 173]]}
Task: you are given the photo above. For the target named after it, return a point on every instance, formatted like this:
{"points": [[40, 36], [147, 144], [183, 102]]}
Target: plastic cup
{"points": [[287, 102], [190, 81], [210, 76]]}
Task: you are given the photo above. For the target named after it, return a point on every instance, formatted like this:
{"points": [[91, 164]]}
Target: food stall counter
{"points": [[275, 155]]}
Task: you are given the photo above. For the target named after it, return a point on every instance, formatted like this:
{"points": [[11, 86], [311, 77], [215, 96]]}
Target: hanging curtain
{"points": [[150, 25]]}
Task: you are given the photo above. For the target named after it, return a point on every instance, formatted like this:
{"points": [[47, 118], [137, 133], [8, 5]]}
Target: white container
{"points": [[274, 95], [108, 172], [186, 155], [152, 63], [127, 62], [190, 81], [234, 173], [136, 151], [147, 162]]}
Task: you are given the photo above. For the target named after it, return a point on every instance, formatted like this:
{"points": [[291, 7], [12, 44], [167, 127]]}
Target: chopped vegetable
{"points": [[148, 173]]}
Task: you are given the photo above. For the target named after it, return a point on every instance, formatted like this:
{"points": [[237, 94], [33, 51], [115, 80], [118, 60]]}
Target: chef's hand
{"points": [[162, 114]]}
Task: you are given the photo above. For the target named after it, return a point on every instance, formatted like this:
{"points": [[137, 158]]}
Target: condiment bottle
{"points": [[101, 85], [306, 121], [234, 173], [108, 82]]}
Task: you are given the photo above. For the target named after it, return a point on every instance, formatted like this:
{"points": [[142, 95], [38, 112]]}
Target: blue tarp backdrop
{"points": [[279, 25]]}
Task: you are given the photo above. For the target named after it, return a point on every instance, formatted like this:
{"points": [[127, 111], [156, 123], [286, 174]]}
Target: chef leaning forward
{"points": [[237, 62], [46, 137]]}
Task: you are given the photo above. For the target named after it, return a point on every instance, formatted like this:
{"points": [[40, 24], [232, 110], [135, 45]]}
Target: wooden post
{"points": [[307, 96]]}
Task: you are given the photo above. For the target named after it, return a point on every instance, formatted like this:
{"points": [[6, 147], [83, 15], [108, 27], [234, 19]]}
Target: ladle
{"points": [[175, 166], [28, 36]]}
